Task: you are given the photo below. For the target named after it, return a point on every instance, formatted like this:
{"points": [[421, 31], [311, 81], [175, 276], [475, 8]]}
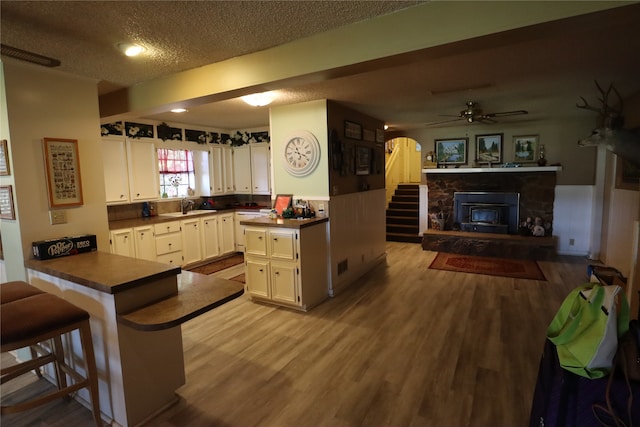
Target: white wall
{"points": [[47, 103], [572, 216]]}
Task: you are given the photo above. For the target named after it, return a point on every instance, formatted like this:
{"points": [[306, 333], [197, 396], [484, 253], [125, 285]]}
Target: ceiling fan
{"points": [[473, 113]]}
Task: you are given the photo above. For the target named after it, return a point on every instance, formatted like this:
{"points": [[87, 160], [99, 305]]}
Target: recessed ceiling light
{"points": [[179, 110], [131, 49], [259, 99]]}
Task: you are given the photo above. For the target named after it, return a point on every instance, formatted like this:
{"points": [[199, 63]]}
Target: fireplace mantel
{"points": [[492, 170]]}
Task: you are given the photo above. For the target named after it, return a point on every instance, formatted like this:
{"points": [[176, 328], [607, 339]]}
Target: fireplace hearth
{"points": [[486, 211]]}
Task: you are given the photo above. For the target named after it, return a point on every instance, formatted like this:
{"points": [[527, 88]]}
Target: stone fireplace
{"points": [[486, 211], [534, 187]]}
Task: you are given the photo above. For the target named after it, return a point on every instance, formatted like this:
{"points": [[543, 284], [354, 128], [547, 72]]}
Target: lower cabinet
{"points": [[287, 266], [191, 241], [227, 242], [210, 233], [168, 243], [145, 242], [121, 242]]}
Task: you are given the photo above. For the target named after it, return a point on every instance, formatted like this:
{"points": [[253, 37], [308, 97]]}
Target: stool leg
{"points": [[92, 372], [61, 376], [34, 355]]}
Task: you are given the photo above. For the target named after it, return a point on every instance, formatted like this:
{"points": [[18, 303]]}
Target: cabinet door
{"points": [[242, 169], [226, 239], [260, 162], [255, 241], [282, 244], [191, 238], [145, 243], [284, 282], [227, 159], [257, 277], [239, 229], [201, 163], [144, 180], [217, 171], [116, 175], [122, 242], [210, 245]]}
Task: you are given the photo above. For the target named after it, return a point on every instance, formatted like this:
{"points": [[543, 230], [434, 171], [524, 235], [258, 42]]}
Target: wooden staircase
{"points": [[402, 215]]}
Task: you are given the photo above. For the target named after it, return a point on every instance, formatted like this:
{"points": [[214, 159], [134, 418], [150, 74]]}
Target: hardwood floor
{"points": [[404, 346]]}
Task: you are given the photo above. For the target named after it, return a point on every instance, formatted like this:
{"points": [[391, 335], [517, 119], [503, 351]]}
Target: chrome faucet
{"points": [[186, 205]]}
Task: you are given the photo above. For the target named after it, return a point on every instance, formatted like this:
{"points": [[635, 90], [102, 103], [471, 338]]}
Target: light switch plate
{"points": [[58, 217]]}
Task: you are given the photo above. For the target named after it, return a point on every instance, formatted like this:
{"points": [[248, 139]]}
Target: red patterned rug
{"points": [[215, 266], [517, 268]]}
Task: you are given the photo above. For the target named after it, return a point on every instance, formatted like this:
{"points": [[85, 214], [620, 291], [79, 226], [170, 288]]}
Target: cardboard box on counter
{"points": [[64, 246]]}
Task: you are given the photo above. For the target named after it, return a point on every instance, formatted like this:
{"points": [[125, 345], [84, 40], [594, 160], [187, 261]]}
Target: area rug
{"points": [[214, 266], [517, 268]]}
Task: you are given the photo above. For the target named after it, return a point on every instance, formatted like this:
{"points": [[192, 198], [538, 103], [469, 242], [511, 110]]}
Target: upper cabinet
{"points": [[144, 183], [116, 175], [130, 170], [251, 168]]}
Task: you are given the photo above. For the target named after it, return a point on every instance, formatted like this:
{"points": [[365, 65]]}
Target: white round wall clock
{"points": [[301, 153]]}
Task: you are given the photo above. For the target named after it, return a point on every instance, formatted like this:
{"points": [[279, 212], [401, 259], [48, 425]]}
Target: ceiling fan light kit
{"points": [[473, 113]]}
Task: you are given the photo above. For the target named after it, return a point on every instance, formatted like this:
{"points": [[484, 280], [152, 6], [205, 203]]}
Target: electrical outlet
{"points": [[58, 217], [572, 242]]}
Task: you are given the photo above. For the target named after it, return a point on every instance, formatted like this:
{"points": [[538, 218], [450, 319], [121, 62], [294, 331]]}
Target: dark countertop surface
{"points": [[103, 271], [284, 222]]}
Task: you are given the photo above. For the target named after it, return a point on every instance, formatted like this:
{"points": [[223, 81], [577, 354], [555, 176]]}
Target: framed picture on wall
{"points": [[5, 169], [352, 130], [489, 148], [63, 172], [451, 151], [525, 148], [363, 161], [6, 203]]}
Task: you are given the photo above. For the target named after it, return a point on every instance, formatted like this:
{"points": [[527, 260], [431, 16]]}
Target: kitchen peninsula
{"points": [[136, 309]]}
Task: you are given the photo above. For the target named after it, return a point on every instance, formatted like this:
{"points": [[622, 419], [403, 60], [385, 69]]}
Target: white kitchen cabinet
{"points": [[242, 169], [210, 244], [227, 160], [217, 170], [168, 243], [122, 242], [226, 239], [287, 266], [144, 180], [116, 174], [145, 242], [239, 229], [191, 241], [260, 168]]}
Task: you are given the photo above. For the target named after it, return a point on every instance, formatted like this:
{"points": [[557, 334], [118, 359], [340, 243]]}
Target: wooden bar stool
{"points": [[28, 318]]}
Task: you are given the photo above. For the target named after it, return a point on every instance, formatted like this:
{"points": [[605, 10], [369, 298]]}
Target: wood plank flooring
{"points": [[404, 346]]}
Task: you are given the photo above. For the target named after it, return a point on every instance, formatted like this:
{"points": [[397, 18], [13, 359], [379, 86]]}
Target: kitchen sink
{"points": [[189, 213]]}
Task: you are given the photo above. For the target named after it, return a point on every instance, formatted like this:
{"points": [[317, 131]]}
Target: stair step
{"points": [[403, 229], [411, 213], [406, 220], [404, 205], [407, 191], [397, 237], [405, 198]]}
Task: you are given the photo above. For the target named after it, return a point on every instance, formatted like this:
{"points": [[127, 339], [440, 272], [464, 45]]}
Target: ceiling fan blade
{"points": [[507, 113], [485, 119], [444, 121]]}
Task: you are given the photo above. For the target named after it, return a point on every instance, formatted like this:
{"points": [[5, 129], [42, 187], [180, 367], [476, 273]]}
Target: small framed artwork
{"points": [[451, 151], [6, 203], [282, 203], [5, 169], [380, 135], [368, 135], [525, 148], [489, 148], [352, 130], [63, 172], [363, 161], [627, 175]]}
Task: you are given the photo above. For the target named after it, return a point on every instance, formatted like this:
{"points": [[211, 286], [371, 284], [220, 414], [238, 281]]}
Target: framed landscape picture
{"points": [[451, 151], [525, 148], [489, 148]]}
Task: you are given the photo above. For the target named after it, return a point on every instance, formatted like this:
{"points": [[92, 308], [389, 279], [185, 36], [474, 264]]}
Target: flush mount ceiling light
{"points": [[179, 110], [131, 49], [259, 99]]}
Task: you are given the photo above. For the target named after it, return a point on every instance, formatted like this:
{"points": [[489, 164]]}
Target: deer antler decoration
{"points": [[611, 134]]}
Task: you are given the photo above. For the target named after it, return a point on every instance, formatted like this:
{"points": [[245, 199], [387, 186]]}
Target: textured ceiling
{"points": [[543, 71]]}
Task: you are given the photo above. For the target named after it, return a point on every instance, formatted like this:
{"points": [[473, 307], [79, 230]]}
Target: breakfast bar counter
{"points": [[136, 309]]}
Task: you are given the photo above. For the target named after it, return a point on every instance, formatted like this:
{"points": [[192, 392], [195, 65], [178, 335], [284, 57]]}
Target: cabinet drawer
{"points": [[168, 243], [167, 227], [282, 244], [174, 258], [255, 241]]}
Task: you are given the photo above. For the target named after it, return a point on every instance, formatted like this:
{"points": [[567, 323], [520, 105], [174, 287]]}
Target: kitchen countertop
{"points": [[158, 219], [284, 222], [103, 271]]}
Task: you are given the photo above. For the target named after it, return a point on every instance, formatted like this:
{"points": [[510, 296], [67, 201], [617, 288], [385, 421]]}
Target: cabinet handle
{"points": [[138, 195], [260, 270], [277, 273], [259, 237], [275, 239], [122, 196], [141, 234], [169, 244]]}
